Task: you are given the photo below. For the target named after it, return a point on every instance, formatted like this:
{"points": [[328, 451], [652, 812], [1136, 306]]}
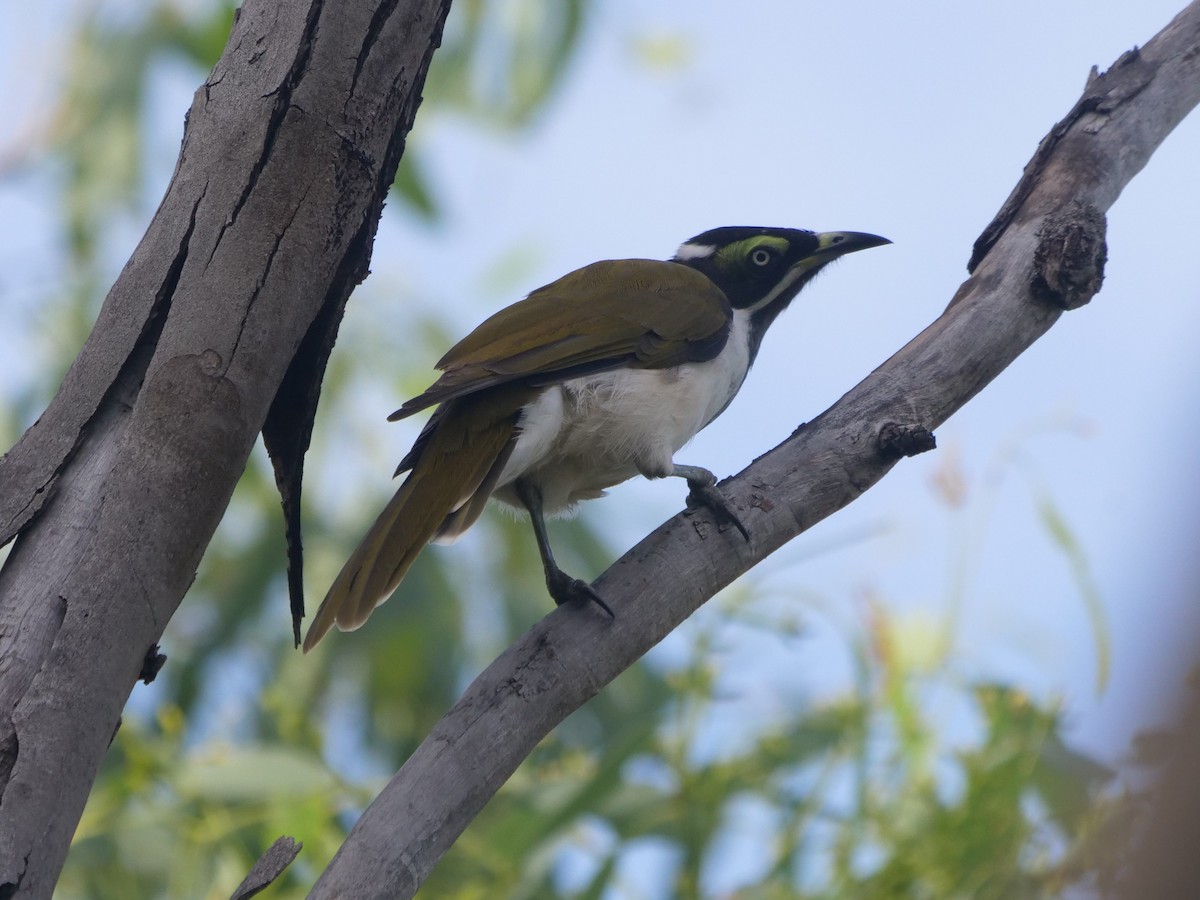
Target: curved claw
{"points": [[705, 494], [565, 589]]}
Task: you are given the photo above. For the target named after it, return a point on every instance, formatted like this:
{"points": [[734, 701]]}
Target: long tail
{"points": [[450, 481]]}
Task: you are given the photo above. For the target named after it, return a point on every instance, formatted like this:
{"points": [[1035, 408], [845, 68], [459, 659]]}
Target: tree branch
{"points": [[1043, 254], [269, 867], [289, 150]]}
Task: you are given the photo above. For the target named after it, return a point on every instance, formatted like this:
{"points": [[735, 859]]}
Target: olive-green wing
{"points": [[641, 313]]}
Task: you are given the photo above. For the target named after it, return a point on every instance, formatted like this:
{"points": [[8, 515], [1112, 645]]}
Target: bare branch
{"points": [[269, 867], [1043, 254]]}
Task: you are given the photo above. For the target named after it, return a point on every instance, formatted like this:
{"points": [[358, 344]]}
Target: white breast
{"points": [[590, 433]]}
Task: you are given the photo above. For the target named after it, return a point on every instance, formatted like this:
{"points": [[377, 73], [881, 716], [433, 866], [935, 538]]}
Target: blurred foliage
{"points": [[500, 62], [660, 786]]}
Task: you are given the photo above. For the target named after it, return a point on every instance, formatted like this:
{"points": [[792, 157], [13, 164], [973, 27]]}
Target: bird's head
{"points": [[762, 269]]}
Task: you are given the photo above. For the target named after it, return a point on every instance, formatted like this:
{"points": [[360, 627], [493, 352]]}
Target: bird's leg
{"points": [[702, 492], [562, 587]]}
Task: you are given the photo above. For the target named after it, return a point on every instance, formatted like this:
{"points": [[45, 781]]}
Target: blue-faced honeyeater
{"points": [[595, 378]]}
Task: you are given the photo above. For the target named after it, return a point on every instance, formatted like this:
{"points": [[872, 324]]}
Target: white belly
{"points": [[591, 433]]}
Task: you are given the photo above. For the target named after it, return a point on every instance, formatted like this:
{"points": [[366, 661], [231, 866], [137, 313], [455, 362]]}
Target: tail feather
{"points": [[471, 509], [447, 489]]}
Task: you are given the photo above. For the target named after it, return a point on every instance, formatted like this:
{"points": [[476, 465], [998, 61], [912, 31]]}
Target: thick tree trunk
{"points": [[290, 147], [1043, 254]]}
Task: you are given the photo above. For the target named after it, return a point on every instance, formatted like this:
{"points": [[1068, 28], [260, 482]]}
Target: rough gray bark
{"points": [[1043, 254], [290, 147], [269, 866]]}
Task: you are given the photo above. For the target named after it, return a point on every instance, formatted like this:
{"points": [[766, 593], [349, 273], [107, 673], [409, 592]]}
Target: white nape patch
{"points": [[695, 251]]}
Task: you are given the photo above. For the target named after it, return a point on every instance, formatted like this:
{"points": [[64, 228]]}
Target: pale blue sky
{"points": [[908, 120]]}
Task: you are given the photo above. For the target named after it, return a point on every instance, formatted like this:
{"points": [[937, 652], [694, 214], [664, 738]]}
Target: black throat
{"points": [[760, 320]]}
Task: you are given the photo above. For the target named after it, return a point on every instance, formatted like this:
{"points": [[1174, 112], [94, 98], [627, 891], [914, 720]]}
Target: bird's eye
{"points": [[761, 256]]}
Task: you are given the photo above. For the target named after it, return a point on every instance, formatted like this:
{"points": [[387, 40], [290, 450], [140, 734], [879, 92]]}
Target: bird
{"points": [[598, 377]]}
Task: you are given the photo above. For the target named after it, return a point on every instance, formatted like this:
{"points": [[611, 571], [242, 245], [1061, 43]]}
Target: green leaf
{"points": [[1064, 538], [253, 774]]}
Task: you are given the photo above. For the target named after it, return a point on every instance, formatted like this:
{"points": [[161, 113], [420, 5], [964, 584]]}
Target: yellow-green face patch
{"points": [[739, 253]]}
